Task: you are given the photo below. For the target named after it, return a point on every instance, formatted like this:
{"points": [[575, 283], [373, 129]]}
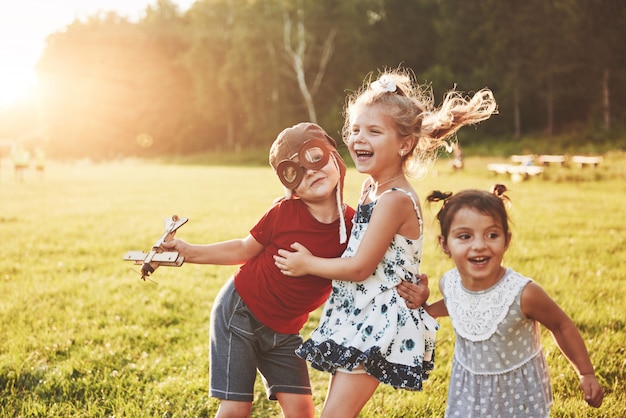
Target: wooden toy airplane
{"points": [[156, 256]]}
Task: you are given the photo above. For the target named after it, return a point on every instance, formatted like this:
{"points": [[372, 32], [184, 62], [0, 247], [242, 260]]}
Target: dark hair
{"points": [[488, 203]]}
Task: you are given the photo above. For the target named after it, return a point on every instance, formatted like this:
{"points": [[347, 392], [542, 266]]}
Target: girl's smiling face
{"points": [[373, 142], [476, 243]]}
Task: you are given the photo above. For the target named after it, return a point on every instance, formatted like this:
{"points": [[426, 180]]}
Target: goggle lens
{"points": [[290, 173], [313, 155]]}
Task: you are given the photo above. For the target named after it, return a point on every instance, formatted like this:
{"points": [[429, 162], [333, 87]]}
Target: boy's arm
{"points": [[236, 251], [537, 305], [414, 294]]}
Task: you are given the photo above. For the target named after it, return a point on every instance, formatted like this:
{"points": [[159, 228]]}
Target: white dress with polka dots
{"points": [[498, 369]]}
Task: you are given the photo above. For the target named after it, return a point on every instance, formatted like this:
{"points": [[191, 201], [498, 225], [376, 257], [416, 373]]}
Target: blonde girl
{"points": [[368, 334]]}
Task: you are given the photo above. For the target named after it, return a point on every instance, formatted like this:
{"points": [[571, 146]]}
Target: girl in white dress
{"points": [[498, 369], [369, 334]]}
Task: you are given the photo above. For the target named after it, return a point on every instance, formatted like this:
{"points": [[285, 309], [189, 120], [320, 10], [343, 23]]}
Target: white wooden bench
{"points": [[523, 159], [499, 168], [517, 172], [582, 160], [552, 159]]}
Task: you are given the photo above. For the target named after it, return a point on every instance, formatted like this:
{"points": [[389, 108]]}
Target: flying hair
{"points": [[412, 109]]}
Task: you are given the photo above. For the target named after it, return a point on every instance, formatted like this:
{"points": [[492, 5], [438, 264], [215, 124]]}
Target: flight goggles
{"points": [[313, 155]]}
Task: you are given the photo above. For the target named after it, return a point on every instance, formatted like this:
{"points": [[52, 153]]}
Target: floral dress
{"points": [[367, 324]]}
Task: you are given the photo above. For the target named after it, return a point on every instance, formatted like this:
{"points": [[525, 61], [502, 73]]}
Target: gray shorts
{"points": [[240, 345]]}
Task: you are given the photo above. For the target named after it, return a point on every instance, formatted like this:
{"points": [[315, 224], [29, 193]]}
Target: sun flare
{"points": [[25, 24], [16, 84], [19, 51]]}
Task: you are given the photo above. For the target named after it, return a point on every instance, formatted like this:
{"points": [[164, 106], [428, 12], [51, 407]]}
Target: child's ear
{"points": [[444, 246], [406, 147], [508, 241]]}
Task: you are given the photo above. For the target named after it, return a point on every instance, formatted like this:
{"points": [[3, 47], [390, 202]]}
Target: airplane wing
{"points": [[135, 256], [156, 257], [167, 258]]}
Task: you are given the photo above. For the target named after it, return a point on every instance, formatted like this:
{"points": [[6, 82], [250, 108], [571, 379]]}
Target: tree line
{"points": [[228, 75]]}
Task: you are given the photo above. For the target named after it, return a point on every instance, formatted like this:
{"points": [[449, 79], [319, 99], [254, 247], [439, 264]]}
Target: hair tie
{"points": [[499, 190], [437, 196], [386, 84]]}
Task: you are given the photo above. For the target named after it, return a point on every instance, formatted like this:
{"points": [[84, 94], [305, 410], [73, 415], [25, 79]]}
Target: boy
{"points": [[258, 314]]}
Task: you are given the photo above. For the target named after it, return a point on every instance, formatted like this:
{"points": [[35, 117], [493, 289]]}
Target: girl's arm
{"points": [[236, 251], [437, 309], [537, 305], [392, 210]]}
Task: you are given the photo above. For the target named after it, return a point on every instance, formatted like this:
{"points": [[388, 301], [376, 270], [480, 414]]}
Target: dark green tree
{"points": [[602, 30]]}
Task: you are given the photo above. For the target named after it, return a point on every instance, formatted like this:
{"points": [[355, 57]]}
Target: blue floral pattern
{"points": [[368, 324]]}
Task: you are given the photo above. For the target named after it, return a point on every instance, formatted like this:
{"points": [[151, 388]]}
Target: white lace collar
{"points": [[476, 315]]}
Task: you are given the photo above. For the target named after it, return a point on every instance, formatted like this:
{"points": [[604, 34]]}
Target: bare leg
{"points": [[347, 394], [296, 405], [234, 409]]}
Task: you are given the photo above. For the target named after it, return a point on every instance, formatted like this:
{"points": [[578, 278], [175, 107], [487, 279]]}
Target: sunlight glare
{"points": [[22, 43], [17, 83], [25, 24]]}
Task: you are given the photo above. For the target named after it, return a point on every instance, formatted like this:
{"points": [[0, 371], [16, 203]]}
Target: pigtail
{"points": [[498, 190], [437, 196]]}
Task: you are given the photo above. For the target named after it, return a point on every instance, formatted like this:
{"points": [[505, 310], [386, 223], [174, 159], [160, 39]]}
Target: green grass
{"points": [[83, 336]]}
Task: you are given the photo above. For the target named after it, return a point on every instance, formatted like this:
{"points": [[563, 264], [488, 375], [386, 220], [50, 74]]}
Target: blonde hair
{"points": [[412, 108]]}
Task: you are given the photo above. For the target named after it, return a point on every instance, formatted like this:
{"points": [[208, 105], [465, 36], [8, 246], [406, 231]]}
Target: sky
{"points": [[25, 24]]}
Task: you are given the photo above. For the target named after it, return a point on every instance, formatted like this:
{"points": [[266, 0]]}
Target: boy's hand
{"points": [[175, 244], [414, 294], [170, 244]]}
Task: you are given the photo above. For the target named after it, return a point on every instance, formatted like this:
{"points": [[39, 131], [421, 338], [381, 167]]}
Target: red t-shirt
{"points": [[280, 302]]}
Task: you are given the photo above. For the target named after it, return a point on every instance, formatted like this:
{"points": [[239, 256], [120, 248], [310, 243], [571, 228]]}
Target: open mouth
{"points": [[361, 154], [479, 260]]}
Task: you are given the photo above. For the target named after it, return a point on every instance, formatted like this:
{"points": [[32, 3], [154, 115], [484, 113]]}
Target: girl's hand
{"points": [[592, 390], [293, 263], [414, 294]]}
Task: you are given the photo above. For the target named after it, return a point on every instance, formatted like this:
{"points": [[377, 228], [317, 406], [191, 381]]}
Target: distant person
{"points": [[21, 162], [498, 368], [40, 161], [368, 334], [457, 157]]}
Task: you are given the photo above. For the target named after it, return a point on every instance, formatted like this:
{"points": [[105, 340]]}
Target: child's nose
{"points": [[309, 171], [478, 243], [356, 136]]}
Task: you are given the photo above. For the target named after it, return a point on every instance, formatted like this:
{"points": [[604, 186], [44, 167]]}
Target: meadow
{"points": [[83, 336]]}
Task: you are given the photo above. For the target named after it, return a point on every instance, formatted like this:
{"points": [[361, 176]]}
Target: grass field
{"points": [[83, 336]]}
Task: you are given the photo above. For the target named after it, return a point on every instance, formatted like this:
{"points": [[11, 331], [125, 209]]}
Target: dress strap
{"points": [[415, 206], [364, 193]]}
